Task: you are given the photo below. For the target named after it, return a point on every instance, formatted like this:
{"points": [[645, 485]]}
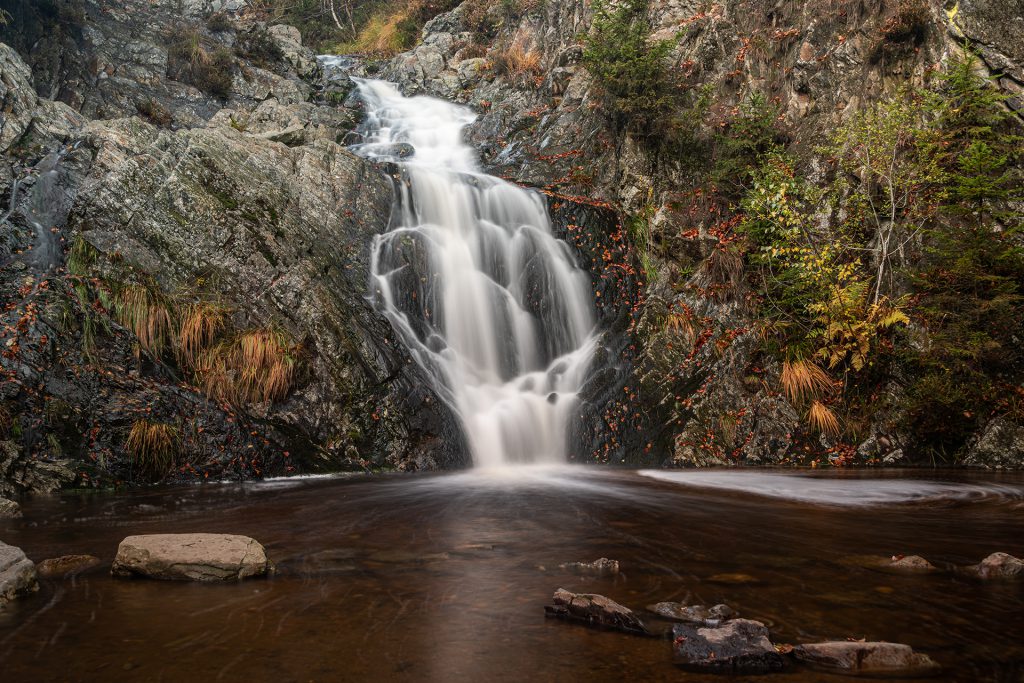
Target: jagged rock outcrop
{"points": [[246, 202], [994, 27]]}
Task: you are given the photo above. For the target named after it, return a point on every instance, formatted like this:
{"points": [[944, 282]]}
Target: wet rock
{"points": [[599, 567], [17, 573], [1000, 445], [9, 509], [191, 557], [66, 564], [301, 58], [17, 95], [997, 566], [19, 471], [594, 610], [740, 646], [865, 659], [693, 614], [911, 564]]}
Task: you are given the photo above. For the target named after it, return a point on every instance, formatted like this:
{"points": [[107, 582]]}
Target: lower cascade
{"points": [[486, 299]]}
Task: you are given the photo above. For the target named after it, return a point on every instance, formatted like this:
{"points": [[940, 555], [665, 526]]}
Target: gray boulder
{"points": [[1000, 445], [739, 647], [17, 573], [191, 557], [299, 57], [865, 659]]}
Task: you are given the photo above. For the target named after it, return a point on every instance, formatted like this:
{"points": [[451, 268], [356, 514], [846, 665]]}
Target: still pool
{"points": [[444, 577]]}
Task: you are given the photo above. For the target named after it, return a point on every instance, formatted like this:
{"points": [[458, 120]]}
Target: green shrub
{"points": [[970, 284], [629, 67]]}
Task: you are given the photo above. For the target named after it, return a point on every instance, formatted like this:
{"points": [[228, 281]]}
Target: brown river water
{"points": [[444, 577]]}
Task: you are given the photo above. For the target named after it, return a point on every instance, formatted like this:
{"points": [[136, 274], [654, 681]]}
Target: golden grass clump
{"points": [[803, 380], [152, 446], [382, 35], [681, 323], [256, 366], [518, 61], [265, 365], [146, 314], [200, 325], [821, 417]]}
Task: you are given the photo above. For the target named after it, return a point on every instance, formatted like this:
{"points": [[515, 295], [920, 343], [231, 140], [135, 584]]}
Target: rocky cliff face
{"points": [[138, 202], [184, 247], [694, 389]]}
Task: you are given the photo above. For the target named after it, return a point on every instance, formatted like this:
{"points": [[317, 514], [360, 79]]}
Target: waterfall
{"points": [[487, 301]]}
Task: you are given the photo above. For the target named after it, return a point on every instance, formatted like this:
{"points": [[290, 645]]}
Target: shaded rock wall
{"points": [[247, 202]]}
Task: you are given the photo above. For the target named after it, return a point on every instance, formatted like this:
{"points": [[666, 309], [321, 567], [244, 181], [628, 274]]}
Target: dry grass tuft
{"points": [[823, 419], [803, 380], [144, 312], [152, 446], [720, 275], [265, 364], [255, 367], [200, 325], [681, 323], [518, 62]]}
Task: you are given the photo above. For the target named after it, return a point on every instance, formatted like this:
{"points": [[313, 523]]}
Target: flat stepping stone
{"points": [[191, 557]]}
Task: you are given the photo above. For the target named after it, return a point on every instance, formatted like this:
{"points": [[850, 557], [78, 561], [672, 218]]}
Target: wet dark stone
{"points": [[693, 614], [865, 659], [596, 611], [740, 646], [599, 567]]}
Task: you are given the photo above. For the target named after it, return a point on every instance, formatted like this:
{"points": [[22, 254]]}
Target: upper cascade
{"points": [[487, 300]]}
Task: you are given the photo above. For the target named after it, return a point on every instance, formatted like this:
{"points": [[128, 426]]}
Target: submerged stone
{"points": [[997, 566], [66, 564], [865, 659], [191, 557], [740, 647], [594, 610], [600, 567], [911, 564], [733, 578], [693, 614]]}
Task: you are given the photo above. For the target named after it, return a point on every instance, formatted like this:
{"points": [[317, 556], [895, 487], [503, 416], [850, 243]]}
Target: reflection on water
{"points": [[442, 577]]}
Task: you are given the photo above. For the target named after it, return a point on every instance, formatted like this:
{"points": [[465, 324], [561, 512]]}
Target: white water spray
{"points": [[480, 291]]}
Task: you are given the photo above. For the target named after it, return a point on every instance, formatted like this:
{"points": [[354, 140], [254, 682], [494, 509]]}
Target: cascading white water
{"points": [[480, 291]]}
